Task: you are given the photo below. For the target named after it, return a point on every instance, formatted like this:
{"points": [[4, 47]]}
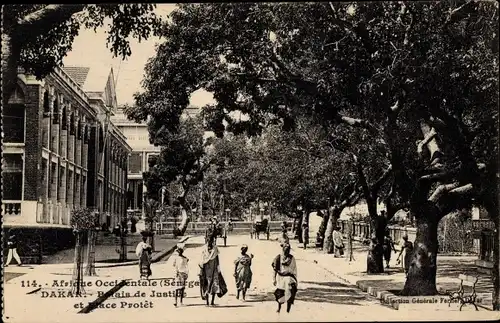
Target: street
{"points": [[322, 295]]}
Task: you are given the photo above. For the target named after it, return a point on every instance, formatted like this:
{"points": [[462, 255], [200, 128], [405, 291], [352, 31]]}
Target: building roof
{"points": [[77, 73], [97, 82]]}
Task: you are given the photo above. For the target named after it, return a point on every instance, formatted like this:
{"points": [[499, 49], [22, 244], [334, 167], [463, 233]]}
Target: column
{"points": [[47, 107], [83, 202], [85, 149], [77, 199], [63, 146], [45, 190], [78, 143], [62, 194], [69, 191], [71, 138], [53, 188], [54, 131]]}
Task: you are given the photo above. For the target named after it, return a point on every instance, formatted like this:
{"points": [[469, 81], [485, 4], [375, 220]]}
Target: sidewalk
{"points": [[14, 270], [388, 285], [31, 289]]}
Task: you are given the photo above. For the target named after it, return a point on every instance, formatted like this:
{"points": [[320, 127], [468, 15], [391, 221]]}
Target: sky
{"points": [[89, 50]]}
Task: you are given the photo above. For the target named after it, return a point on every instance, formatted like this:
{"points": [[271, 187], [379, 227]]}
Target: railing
{"points": [[486, 245], [361, 230], [200, 227], [481, 224], [11, 207]]}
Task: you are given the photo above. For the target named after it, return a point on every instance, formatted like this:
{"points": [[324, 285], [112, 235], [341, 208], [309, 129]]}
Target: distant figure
{"points": [[243, 272], [285, 277], [133, 225], [12, 245], [407, 249], [284, 230], [143, 252], [338, 243], [388, 248], [181, 273], [211, 280], [305, 235]]}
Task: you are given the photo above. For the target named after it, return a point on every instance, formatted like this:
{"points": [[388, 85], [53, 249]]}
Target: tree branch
{"points": [[376, 186], [442, 190], [460, 12], [44, 19], [362, 178], [360, 123]]}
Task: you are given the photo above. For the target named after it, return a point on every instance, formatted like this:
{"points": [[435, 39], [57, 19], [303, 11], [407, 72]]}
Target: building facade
{"points": [[137, 137], [54, 143]]}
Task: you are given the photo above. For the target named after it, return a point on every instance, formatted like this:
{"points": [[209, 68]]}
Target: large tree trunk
{"points": [[421, 280], [320, 236], [152, 236], [328, 246], [298, 233], [91, 240], [305, 230], [185, 213], [77, 284], [375, 258]]}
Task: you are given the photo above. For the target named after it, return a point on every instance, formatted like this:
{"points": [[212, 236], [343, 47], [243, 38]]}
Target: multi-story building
{"points": [[138, 138], [55, 139]]}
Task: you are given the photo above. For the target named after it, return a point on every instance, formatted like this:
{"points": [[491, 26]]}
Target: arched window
{"points": [[72, 124], [46, 105], [64, 119], [13, 117], [55, 119]]}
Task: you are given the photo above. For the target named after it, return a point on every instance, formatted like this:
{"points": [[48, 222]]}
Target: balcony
{"points": [[11, 207]]}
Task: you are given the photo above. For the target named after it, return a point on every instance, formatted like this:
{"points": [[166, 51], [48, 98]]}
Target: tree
{"points": [[401, 72], [182, 161], [37, 37], [82, 221], [151, 206]]}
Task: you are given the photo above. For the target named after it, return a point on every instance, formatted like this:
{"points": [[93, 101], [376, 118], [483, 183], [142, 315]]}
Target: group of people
{"points": [[212, 282], [405, 252]]}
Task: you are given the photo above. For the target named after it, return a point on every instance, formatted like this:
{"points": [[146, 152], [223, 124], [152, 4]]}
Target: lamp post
{"points": [[227, 214]]}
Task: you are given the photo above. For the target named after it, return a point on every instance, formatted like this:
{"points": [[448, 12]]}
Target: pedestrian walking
{"points": [[285, 277], [243, 272], [305, 235], [388, 247], [406, 252], [338, 243], [284, 230], [143, 252], [211, 280], [12, 245], [181, 273]]}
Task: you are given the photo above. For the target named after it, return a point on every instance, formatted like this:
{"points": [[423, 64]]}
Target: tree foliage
{"points": [[45, 33]]}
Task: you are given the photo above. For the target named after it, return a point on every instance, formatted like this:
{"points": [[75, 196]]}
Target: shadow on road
{"points": [[330, 292]]}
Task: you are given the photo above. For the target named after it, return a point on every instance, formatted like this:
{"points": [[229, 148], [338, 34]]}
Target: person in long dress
{"points": [[143, 252], [338, 243], [211, 280], [181, 273], [243, 272], [285, 277], [388, 248], [406, 252]]}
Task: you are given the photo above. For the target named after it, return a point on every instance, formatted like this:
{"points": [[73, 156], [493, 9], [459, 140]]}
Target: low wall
{"points": [[33, 242], [200, 227]]}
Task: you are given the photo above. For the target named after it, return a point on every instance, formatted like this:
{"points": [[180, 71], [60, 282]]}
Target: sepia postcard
{"points": [[250, 162]]}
